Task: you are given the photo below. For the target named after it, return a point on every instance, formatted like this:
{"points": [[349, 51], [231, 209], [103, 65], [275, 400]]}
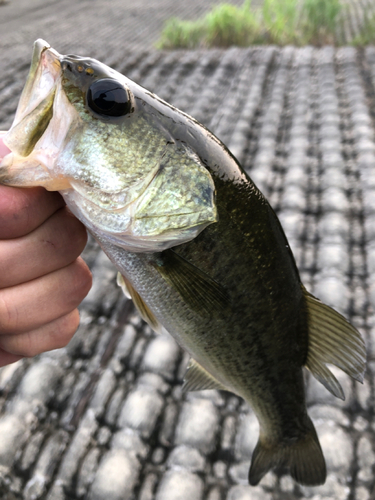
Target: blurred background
{"points": [[290, 88]]}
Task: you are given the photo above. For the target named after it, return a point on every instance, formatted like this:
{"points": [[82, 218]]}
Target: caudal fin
{"points": [[304, 458]]}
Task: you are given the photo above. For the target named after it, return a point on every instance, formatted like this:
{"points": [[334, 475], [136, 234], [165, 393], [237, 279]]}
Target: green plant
{"points": [[179, 34], [367, 34], [225, 25], [280, 20], [230, 25], [319, 20]]}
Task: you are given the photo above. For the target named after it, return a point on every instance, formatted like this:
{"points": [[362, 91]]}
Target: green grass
{"points": [[367, 35], [179, 34], [280, 22], [320, 20], [280, 19], [229, 25], [225, 25]]}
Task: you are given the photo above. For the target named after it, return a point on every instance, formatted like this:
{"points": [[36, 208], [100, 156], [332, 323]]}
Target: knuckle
{"points": [[12, 201], [61, 331], [64, 236], [75, 231], [78, 229], [82, 279], [15, 210], [22, 210], [68, 327]]}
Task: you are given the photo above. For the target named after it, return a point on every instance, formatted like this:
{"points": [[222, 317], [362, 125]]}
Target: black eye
{"points": [[108, 97]]}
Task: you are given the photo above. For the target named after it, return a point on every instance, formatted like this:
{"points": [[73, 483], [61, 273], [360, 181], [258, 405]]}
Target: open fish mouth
{"points": [[31, 150], [35, 108]]}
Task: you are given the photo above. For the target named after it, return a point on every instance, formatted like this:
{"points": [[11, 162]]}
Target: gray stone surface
{"points": [[12, 437], [247, 493], [185, 457], [88, 471], [246, 436], [180, 485], [48, 459], [116, 476], [161, 356], [366, 459], [77, 448], [141, 409], [129, 440], [198, 425]]}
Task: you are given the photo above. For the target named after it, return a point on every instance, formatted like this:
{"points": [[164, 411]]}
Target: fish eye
{"points": [[108, 97]]}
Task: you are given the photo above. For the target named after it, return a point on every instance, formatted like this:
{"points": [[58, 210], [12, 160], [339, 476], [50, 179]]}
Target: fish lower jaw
{"points": [[29, 172]]}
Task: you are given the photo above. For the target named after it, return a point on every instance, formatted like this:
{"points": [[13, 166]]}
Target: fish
{"points": [[197, 246]]}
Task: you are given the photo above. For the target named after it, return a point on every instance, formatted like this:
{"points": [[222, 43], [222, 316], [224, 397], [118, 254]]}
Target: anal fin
{"points": [[198, 378], [141, 306], [333, 340]]}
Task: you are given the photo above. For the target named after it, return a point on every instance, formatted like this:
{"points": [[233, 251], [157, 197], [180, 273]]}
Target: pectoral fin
{"points": [[141, 306], [203, 294], [332, 339], [198, 379]]}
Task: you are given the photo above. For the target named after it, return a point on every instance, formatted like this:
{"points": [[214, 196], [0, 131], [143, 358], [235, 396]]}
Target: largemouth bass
{"points": [[197, 246]]}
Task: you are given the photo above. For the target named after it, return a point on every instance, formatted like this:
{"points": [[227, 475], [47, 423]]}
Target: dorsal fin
{"points": [[332, 339], [197, 378], [141, 306]]}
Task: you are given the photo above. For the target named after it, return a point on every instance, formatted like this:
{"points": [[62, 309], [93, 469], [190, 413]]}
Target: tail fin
{"points": [[304, 458]]}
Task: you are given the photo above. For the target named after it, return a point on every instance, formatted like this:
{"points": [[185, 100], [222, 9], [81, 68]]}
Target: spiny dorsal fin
{"points": [[143, 309], [332, 339], [203, 294], [198, 379]]}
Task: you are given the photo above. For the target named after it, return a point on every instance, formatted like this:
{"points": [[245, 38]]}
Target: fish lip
{"points": [[48, 71], [45, 70], [39, 47], [44, 74]]}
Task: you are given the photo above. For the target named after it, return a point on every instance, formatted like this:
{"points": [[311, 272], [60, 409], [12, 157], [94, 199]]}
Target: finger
{"points": [[6, 358], [30, 305], [52, 246], [51, 336], [24, 209]]}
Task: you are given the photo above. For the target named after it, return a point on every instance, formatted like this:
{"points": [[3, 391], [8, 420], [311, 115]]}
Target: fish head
{"points": [[85, 130]]}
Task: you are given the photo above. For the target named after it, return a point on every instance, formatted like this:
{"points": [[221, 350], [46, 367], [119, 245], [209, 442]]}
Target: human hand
{"points": [[42, 277]]}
